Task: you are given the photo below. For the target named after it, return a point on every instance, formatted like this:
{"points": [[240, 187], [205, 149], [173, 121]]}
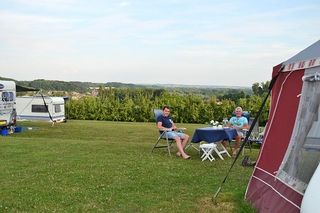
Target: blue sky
{"points": [[232, 43]]}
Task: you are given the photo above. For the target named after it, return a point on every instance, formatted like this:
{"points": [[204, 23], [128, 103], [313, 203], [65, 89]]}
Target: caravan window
{"points": [[57, 108], [39, 108], [7, 96]]}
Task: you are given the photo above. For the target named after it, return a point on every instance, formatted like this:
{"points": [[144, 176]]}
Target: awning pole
{"points": [[46, 106], [248, 134]]}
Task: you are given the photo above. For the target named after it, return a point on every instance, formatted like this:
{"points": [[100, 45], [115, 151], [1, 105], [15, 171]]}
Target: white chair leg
{"points": [[210, 156], [205, 154], [207, 151], [222, 150], [169, 146], [226, 151], [193, 146], [218, 153]]}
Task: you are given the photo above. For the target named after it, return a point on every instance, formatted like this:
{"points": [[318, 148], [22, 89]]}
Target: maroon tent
{"points": [[291, 148]]}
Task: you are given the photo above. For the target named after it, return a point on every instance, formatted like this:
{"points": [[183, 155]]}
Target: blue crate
{"points": [[4, 132], [18, 129]]}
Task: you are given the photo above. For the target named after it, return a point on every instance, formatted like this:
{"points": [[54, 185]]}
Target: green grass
{"points": [[90, 166]]}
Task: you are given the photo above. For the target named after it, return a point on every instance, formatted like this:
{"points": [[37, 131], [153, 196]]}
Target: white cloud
{"points": [[36, 33], [124, 4], [48, 4], [190, 42]]}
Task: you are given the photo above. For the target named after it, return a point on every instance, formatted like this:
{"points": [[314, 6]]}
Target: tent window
{"points": [[39, 108], [57, 108], [303, 154]]}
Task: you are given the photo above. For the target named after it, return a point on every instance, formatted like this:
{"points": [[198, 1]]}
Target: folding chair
{"points": [[260, 137], [163, 136], [255, 134]]}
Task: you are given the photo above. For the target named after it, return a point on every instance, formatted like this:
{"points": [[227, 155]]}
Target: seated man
{"points": [[164, 123], [240, 123]]}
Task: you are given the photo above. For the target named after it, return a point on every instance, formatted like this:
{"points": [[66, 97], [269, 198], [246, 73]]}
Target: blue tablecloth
{"points": [[210, 135]]}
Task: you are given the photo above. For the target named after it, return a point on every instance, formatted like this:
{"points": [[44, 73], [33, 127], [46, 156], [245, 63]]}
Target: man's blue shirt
{"points": [[238, 122], [166, 121]]}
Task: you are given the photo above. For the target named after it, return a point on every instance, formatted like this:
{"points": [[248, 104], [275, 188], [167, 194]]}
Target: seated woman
{"points": [[240, 123], [165, 123]]}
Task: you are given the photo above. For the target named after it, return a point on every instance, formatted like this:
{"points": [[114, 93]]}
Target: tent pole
{"points": [[247, 135]]}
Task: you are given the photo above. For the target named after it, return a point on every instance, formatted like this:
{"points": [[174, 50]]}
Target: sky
{"points": [[205, 42]]}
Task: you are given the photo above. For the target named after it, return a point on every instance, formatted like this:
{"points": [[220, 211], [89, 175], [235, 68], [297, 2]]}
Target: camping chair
{"points": [[260, 138], [255, 135], [163, 136]]}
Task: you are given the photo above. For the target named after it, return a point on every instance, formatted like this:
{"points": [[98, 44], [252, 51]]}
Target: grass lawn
{"points": [[108, 166]]}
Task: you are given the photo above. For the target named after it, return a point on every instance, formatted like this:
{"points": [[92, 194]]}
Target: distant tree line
{"points": [[49, 85], [55, 86], [130, 102], [137, 104]]}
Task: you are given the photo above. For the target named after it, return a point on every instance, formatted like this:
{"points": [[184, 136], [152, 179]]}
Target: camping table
{"points": [[210, 135]]}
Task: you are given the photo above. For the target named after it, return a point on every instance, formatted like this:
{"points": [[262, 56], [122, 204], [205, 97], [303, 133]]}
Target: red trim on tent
{"points": [[283, 111], [278, 186], [265, 199]]}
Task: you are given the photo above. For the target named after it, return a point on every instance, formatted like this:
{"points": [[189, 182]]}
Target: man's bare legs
{"points": [[237, 145], [185, 141], [224, 143], [181, 144]]}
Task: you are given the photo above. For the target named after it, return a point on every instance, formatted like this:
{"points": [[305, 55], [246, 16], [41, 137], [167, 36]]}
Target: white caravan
{"points": [[7, 103], [33, 108]]}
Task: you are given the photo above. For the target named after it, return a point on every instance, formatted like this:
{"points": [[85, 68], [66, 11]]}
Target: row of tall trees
{"points": [[137, 104]]}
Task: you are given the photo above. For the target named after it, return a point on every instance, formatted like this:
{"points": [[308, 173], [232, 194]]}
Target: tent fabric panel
{"points": [[269, 179], [267, 192], [282, 114], [276, 69], [300, 160], [311, 52], [284, 106], [267, 200]]}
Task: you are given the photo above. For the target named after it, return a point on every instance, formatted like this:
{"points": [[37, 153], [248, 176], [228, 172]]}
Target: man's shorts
{"points": [[174, 134]]}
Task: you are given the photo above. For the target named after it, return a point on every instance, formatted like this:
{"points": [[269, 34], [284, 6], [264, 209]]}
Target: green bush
{"points": [[136, 105]]}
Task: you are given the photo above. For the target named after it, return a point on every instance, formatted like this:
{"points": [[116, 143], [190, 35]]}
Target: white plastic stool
{"points": [[208, 148], [207, 151]]}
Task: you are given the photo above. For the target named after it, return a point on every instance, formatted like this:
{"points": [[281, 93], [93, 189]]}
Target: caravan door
{"points": [[7, 103]]}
